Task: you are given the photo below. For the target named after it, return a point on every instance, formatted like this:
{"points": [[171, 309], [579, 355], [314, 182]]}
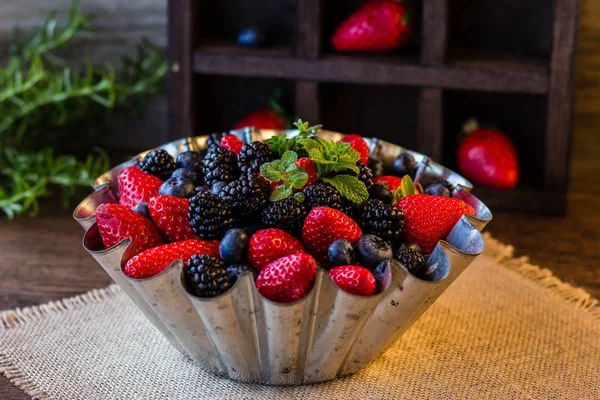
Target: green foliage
{"points": [[406, 188], [45, 104], [26, 177], [331, 158], [287, 172]]}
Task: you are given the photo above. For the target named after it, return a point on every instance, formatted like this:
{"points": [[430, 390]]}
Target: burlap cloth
{"points": [[504, 330]]}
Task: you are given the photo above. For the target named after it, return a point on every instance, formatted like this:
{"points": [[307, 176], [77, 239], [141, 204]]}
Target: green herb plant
{"points": [[45, 104], [335, 162]]}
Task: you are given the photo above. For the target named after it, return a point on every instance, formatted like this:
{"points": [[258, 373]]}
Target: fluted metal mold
{"points": [[326, 335]]}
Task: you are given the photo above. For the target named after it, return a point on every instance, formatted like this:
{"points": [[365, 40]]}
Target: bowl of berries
{"points": [[282, 257]]}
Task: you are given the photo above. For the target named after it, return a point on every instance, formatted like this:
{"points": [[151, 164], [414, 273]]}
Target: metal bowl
{"points": [[326, 335]]}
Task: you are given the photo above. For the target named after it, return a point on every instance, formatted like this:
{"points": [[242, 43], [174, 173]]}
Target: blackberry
{"points": [[287, 214], [219, 165], [245, 195], [365, 175], [322, 195], [253, 155], [412, 260], [380, 219], [348, 208], [158, 163], [214, 140], [209, 215], [206, 276]]}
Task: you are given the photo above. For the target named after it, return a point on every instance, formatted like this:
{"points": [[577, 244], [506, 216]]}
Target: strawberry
{"points": [[392, 182], [379, 25], [488, 157], [429, 219], [358, 144], [135, 186], [232, 143], [267, 245], [287, 279], [265, 118], [323, 226], [311, 169], [154, 261], [170, 214], [354, 279], [117, 222]]}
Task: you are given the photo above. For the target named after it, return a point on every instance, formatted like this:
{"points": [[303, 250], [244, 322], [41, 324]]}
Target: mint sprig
{"points": [[331, 158], [287, 173], [406, 188]]}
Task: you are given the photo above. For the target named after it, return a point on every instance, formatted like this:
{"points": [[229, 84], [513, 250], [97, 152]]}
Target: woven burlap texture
{"points": [[504, 330]]}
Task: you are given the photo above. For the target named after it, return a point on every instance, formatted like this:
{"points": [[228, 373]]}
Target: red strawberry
{"points": [[154, 261], [232, 143], [135, 185], [354, 279], [429, 219], [264, 118], [311, 169], [358, 144], [267, 245], [379, 25], [323, 226], [488, 157], [287, 279], [170, 214], [392, 182], [350, 137], [117, 222]]}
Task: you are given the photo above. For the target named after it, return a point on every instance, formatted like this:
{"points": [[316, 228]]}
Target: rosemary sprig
{"points": [[45, 104]]}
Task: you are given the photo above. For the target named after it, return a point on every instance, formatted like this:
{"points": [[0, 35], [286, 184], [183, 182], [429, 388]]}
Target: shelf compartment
{"points": [[515, 27], [223, 20], [377, 70], [389, 113], [223, 100], [521, 117]]}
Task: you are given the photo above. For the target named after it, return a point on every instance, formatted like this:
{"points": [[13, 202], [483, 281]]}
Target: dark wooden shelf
{"points": [[464, 48], [378, 70]]}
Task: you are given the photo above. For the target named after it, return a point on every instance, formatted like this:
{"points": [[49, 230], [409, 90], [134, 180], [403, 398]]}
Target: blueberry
{"points": [[217, 187], [437, 189], [413, 246], [142, 209], [376, 166], [372, 250], [191, 160], [383, 273], [178, 186], [405, 164], [341, 253], [381, 192], [193, 176], [234, 271], [252, 37], [233, 246]]}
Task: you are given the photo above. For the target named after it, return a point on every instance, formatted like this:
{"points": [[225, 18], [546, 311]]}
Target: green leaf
{"points": [[289, 158], [280, 194], [299, 197], [350, 187], [298, 178], [406, 188], [343, 165]]}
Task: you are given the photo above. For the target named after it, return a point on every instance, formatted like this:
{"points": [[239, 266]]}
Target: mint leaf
{"points": [[349, 187], [291, 168], [343, 165], [273, 175], [347, 152], [289, 158], [298, 178], [280, 193]]}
